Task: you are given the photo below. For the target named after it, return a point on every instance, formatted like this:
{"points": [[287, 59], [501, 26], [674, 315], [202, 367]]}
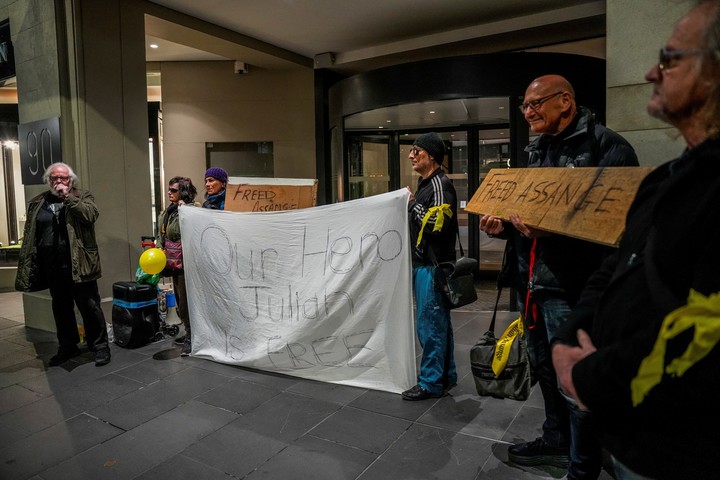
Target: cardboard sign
{"points": [[269, 198], [586, 203]]}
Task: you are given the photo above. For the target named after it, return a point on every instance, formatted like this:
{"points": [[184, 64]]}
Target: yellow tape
{"points": [[701, 313], [502, 348], [442, 211]]}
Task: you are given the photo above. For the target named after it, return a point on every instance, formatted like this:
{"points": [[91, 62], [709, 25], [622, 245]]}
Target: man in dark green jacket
{"points": [[59, 252]]}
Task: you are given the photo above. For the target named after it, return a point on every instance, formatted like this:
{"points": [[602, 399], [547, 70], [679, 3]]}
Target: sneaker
{"points": [[63, 355], [419, 393], [187, 347], [102, 357], [538, 452], [179, 340]]}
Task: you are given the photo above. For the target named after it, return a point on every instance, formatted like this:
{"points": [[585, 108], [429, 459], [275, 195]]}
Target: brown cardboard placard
{"points": [[586, 203], [269, 198]]}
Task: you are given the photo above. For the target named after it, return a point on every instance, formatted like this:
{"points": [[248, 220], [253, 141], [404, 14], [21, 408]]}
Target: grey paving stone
{"points": [[181, 467], [431, 453], [288, 416], [98, 392], [269, 379], [16, 396], [35, 417], [329, 392], [369, 431], [392, 404], [526, 426], [138, 450], [7, 348], [21, 371], [53, 445], [314, 458], [238, 396], [11, 359], [150, 370], [464, 411], [235, 449], [145, 404]]}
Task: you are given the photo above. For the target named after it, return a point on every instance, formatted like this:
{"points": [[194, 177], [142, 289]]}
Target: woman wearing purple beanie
{"points": [[215, 181]]}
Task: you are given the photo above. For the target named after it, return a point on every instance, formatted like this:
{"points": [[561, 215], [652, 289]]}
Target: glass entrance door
{"points": [[368, 166]]}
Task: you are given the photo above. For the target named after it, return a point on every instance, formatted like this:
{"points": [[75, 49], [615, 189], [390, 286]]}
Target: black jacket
{"points": [[563, 264], [433, 191], [669, 247]]}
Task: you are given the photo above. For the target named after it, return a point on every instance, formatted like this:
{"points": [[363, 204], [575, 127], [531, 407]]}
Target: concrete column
{"points": [[636, 30], [84, 61]]}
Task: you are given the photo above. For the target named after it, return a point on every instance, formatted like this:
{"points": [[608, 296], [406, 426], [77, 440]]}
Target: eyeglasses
{"points": [[535, 104], [667, 55], [416, 150], [54, 178], [173, 190]]}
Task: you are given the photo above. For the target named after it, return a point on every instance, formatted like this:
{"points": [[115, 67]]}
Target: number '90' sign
{"points": [[39, 148]]}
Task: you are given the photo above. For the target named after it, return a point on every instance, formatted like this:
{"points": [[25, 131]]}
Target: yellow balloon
{"points": [[153, 261]]}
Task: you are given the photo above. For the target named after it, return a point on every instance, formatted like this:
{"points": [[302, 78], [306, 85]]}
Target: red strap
{"points": [[530, 306]]}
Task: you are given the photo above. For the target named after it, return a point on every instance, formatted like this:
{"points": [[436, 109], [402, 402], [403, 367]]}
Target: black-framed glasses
{"points": [[667, 55], [416, 150], [55, 178], [535, 104], [173, 190]]}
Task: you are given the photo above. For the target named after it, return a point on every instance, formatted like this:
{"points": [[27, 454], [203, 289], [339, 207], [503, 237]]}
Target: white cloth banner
{"points": [[321, 293]]}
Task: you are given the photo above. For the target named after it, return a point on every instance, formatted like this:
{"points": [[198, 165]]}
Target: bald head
{"points": [[550, 102], [553, 83]]}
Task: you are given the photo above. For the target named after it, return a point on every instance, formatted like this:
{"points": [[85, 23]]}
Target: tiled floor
{"points": [[151, 414]]}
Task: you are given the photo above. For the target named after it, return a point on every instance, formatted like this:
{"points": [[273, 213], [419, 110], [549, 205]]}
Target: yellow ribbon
{"points": [[702, 313], [502, 348], [442, 211]]}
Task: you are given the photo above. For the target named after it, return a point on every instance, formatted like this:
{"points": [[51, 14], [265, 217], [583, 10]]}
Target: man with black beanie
{"points": [[433, 223]]}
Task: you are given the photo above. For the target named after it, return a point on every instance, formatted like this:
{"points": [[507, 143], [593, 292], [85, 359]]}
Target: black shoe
{"points": [[538, 452], [102, 357], [187, 347], [179, 340], [63, 355], [419, 393]]}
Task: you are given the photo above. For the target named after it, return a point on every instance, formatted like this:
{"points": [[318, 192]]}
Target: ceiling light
{"points": [[501, 108], [153, 45], [380, 126], [432, 111], [388, 121]]}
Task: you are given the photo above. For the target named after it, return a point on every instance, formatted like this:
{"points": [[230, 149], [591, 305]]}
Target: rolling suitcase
{"points": [[135, 317]]}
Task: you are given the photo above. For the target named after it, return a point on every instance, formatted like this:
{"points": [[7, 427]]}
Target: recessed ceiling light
{"points": [[153, 45], [501, 108], [388, 121], [432, 111], [380, 126]]}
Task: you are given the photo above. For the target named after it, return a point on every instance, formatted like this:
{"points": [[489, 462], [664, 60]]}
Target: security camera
{"points": [[241, 68]]}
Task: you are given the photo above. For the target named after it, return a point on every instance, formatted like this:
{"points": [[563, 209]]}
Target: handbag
{"points": [[456, 279], [501, 367], [173, 253], [173, 250]]}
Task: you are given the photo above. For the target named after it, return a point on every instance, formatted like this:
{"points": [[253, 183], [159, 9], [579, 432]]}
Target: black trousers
{"points": [[65, 294]]}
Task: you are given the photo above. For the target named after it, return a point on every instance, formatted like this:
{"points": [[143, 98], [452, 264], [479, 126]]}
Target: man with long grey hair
{"points": [[641, 348], [59, 252]]}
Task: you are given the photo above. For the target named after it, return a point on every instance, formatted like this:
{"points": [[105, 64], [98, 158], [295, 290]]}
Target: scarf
{"points": [[217, 201]]}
